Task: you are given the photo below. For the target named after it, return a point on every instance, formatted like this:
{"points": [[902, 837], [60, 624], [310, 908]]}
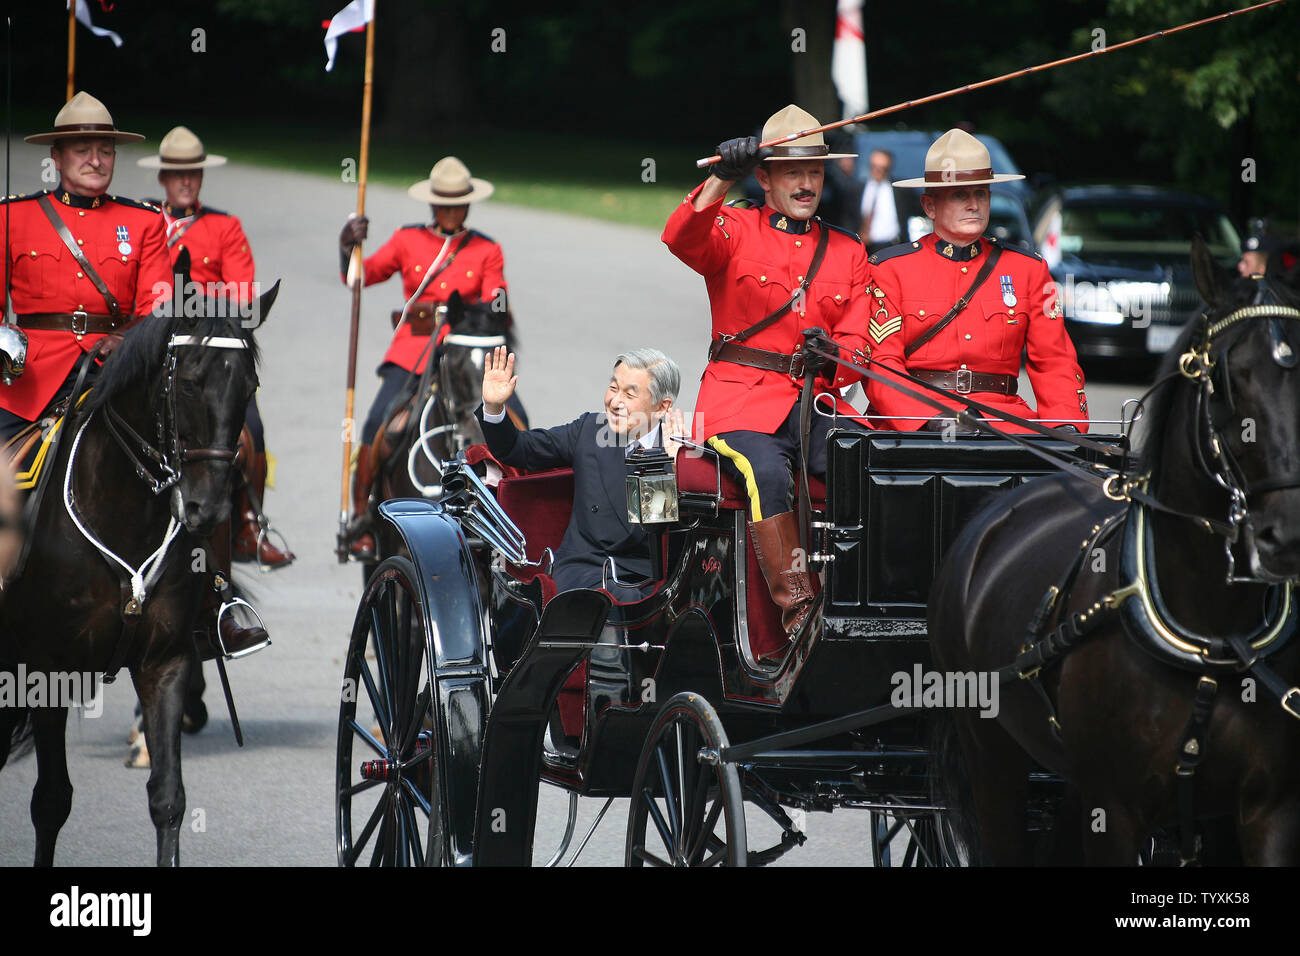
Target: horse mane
{"points": [[480, 319], [140, 355]]}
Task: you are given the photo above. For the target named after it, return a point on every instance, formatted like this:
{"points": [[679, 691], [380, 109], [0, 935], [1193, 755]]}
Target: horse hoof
{"points": [[138, 758]]}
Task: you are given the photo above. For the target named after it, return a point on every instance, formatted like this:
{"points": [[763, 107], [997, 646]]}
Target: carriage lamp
{"points": [[651, 487]]}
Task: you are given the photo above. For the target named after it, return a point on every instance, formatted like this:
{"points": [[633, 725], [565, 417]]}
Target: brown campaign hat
{"points": [[84, 116], [181, 149], [957, 159], [794, 120], [450, 184]]}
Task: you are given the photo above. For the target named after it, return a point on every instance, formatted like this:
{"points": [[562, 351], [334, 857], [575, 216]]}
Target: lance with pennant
{"points": [[72, 48], [1025, 71], [355, 280]]}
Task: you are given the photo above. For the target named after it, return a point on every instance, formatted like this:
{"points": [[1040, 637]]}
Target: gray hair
{"points": [[665, 376]]}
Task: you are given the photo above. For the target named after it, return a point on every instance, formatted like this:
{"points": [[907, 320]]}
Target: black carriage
{"points": [[468, 680]]}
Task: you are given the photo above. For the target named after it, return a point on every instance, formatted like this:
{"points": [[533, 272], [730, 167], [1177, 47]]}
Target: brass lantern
{"points": [[651, 487]]}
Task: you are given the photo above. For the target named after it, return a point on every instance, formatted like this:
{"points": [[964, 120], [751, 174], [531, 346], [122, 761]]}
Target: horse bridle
{"points": [[1200, 364], [160, 467]]}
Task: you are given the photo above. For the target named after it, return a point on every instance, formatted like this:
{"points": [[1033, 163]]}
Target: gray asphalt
{"points": [[582, 291]]}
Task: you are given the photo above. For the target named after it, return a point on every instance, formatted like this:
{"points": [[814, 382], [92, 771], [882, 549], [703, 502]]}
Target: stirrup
{"points": [[264, 532], [226, 608]]}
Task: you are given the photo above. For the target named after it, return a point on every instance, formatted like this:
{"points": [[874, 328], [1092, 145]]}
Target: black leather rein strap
{"points": [[986, 270]]}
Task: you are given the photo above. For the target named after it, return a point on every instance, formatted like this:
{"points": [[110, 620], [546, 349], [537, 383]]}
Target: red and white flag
{"points": [[350, 19], [849, 58], [83, 17]]}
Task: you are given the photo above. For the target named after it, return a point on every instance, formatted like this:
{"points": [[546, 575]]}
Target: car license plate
{"points": [[1161, 337]]}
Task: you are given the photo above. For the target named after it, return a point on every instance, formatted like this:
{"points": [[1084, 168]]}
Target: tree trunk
{"points": [[811, 70]]}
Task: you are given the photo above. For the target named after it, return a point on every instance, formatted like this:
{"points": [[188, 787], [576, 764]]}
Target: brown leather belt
{"points": [[964, 381], [791, 365], [80, 323], [421, 319]]}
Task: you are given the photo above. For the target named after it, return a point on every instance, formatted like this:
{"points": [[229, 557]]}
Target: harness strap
{"points": [[1191, 751]]}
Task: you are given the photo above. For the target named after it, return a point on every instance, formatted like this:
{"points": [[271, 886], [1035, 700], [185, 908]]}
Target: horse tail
{"points": [[22, 738], [950, 786]]}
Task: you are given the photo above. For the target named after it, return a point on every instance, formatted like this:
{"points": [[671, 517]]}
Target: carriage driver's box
{"points": [[895, 502]]}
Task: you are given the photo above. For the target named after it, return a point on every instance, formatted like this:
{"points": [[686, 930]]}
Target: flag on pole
{"points": [[351, 19], [849, 58], [83, 17]]}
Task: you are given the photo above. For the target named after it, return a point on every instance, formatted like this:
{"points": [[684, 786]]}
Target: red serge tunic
{"points": [[219, 250], [123, 241], [477, 272], [1015, 310], [752, 261]]}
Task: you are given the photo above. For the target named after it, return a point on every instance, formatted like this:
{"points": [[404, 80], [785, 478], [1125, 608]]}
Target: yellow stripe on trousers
{"points": [[741, 464]]}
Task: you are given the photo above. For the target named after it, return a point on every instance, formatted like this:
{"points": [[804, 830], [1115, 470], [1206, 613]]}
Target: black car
{"points": [[1120, 256]]}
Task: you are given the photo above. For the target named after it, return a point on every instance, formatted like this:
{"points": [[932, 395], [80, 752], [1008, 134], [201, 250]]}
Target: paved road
{"points": [[582, 290]]}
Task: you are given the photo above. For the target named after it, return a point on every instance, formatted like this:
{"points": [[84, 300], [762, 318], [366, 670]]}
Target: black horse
{"points": [[1163, 593], [141, 478], [436, 420]]}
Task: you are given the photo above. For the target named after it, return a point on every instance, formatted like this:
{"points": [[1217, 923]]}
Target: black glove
{"points": [[354, 231], [739, 157]]}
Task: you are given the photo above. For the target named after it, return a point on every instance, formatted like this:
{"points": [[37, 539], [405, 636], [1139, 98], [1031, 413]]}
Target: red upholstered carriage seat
{"points": [[541, 503]]}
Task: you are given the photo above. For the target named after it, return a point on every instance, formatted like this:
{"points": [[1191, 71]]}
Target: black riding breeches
{"points": [[393, 377]]}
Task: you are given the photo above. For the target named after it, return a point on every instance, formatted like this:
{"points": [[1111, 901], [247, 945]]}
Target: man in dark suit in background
{"points": [[637, 412]]}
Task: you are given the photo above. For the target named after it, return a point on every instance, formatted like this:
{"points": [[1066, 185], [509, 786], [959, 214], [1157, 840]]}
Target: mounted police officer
{"points": [[473, 266], [87, 265], [771, 272], [956, 308], [221, 261]]}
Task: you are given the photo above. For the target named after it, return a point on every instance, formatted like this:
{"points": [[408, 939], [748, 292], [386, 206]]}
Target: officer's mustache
{"points": [[805, 194]]}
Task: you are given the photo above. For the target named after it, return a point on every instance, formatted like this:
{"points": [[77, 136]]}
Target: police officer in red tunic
{"points": [[758, 263], [473, 266], [63, 304], [977, 351], [222, 263], [86, 265]]}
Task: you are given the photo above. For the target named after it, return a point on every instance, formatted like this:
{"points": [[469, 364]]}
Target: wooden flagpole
{"points": [[72, 49], [355, 280]]}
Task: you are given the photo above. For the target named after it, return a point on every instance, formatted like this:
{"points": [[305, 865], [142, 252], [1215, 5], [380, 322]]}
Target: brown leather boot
{"points": [[776, 546], [235, 638], [362, 545], [251, 544]]}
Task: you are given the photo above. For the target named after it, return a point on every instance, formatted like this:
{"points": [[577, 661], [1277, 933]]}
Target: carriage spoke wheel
{"points": [[388, 795], [903, 838], [686, 807]]}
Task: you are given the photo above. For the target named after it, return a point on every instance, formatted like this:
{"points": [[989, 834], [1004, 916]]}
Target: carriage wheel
{"points": [[900, 838], [389, 798], [686, 808]]}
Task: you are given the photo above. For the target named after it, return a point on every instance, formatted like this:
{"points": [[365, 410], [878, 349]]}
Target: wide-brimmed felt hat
{"points": [[84, 116], [450, 184], [957, 159], [790, 120], [181, 149]]}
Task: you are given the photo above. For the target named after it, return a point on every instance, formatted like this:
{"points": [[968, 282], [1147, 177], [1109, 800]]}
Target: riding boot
{"points": [[362, 541], [235, 640], [251, 543], [776, 546]]}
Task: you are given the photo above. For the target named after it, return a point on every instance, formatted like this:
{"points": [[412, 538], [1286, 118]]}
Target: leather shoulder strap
{"points": [[819, 253], [985, 271], [175, 236], [464, 240], [48, 208]]}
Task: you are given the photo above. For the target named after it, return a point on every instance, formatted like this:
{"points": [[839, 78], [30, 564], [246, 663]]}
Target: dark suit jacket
{"points": [[598, 526]]}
